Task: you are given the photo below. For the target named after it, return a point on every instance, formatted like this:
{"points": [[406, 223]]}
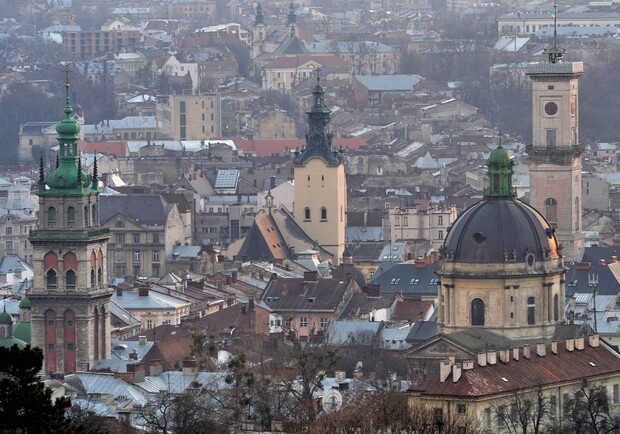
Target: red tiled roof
{"points": [[411, 310], [563, 367], [268, 147], [297, 61], [116, 148]]}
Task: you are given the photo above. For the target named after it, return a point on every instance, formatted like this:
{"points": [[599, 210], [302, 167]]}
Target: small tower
{"points": [[259, 32], [70, 315], [555, 151], [320, 184], [291, 19]]}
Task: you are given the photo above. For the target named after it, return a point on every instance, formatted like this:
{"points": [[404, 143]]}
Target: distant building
{"points": [[189, 117]]}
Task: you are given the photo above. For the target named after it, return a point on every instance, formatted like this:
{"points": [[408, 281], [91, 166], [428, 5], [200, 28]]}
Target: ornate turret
{"points": [[291, 18], [500, 173], [259, 18], [318, 137], [68, 176]]}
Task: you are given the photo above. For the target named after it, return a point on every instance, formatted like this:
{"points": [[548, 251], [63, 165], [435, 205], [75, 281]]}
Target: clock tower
{"points": [[555, 151], [320, 184], [70, 315]]}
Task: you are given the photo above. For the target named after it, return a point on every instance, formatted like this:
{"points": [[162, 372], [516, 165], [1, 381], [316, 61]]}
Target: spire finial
{"points": [[57, 161], [68, 109], [79, 168], [41, 171], [500, 135]]}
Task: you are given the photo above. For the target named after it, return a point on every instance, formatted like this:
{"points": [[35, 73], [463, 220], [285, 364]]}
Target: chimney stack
{"points": [[541, 350], [468, 365], [142, 340], [137, 372], [594, 341], [445, 368], [515, 353], [504, 355], [155, 367], [310, 276], [143, 291], [526, 352], [579, 343], [491, 357], [554, 347], [190, 367], [482, 359], [456, 373], [570, 344], [119, 291]]}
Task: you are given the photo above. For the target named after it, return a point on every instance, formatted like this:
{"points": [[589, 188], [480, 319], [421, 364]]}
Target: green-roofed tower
{"points": [[499, 169], [70, 318], [320, 184]]}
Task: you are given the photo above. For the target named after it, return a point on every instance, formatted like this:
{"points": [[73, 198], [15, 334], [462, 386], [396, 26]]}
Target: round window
{"points": [[551, 108], [530, 259]]}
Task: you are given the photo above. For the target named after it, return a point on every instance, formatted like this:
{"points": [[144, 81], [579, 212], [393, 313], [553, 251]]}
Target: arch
{"points": [[100, 258], [531, 310], [51, 279], [69, 261], [477, 312], [70, 279], [323, 213], [51, 215], [556, 308], [93, 259], [50, 260], [306, 213], [551, 210], [70, 215]]}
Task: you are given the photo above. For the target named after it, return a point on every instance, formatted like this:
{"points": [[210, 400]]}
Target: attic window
{"points": [[505, 379], [414, 281], [311, 299], [395, 281], [592, 364]]}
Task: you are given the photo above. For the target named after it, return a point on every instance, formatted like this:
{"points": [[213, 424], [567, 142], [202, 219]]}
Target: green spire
{"points": [[6, 318], [259, 18], [291, 17], [68, 177], [318, 138], [500, 173]]}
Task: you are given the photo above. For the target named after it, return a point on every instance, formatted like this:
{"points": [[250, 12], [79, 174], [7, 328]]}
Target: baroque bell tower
{"points": [[555, 152], [320, 183], [70, 298]]}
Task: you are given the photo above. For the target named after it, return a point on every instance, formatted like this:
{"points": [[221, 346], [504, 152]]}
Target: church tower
{"points": [[259, 32], [291, 20], [320, 184], [70, 315], [555, 152]]}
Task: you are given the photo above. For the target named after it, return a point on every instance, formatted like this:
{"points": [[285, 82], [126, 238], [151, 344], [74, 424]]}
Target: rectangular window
{"points": [[440, 235], [70, 346], [155, 238], [303, 322], [440, 220], [136, 238], [156, 270], [9, 246], [323, 323], [551, 138], [136, 256], [234, 229], [9, 230], [155, 255], [149, 324], [287, 322], [120, 238], [50, 346], [461, 408], [552, 405], [616, 396]]}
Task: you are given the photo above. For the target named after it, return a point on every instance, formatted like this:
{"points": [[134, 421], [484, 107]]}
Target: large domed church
{"points": [[501, 270]]}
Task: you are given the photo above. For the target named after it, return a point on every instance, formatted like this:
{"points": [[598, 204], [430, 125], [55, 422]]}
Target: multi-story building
{"points": [[528, 23], [189, 117], [285, 72], [70, 298], [87, 44], [18, 216], [426, 221], [144, 229]]}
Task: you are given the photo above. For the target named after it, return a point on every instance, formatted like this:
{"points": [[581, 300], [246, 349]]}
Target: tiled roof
{"points": [[150, 209], [117, 148], [358, 331], [360, 304], [267, 147], [563, 367], [411, 310], [408, 279], [295, 294]]}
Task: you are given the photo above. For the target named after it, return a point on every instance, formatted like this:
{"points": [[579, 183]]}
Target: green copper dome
{"points": [[5, 317], [23, 332], [9, 342], [25, 303], [500, 173]]}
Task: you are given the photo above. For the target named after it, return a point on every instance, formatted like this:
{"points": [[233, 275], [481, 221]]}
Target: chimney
{"points": [[142, 340], [541, 350], [155, 367], [272, 181], [190, 367], [456, 373], [515, 353], [373, 290], [445, 368], [504, 355], [570, 344], [233, 277], [261, 276], [143, 291], [526, 352], [601, 261], [594, 341], [137, 372], [310, 276], [482, 359], [274, 276], [468, 365], [554, 347], [251, 305], [134, 354], [579, 343], [119, 291], [420, 263], [491, 357]]}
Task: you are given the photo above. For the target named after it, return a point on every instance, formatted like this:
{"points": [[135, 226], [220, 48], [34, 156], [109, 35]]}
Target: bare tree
{"points": [[526, 412], [588, 411]]}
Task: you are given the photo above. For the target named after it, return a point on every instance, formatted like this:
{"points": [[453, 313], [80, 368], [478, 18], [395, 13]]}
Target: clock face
{"points": [[551, 108]]}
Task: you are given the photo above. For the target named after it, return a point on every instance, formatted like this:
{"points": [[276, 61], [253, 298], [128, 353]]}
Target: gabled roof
{"points": [[264, 240], [527, 374], [296, 294], [150, 209], [361, 304]]}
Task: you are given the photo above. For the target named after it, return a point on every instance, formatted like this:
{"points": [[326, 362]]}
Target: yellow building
{"points": [[320, 183], [189, 117]]}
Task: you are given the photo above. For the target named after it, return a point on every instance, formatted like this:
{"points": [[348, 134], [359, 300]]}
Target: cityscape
{"points": [[276, 216]]}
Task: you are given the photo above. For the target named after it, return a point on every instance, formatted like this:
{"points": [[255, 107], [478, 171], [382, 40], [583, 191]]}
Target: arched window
{"points": [[99, 277], [51, 215], [323, 213], [496, 182], [477, 312], [556, 308], [94, 214], [119, 224], [50, 279], [531, 310], [70, 215], [70, 279], [551, 210], [92, 279], [306, 213], [86, 217]]}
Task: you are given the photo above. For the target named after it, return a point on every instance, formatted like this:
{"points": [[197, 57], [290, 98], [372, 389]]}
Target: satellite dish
{"points": [[332, 401]]}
